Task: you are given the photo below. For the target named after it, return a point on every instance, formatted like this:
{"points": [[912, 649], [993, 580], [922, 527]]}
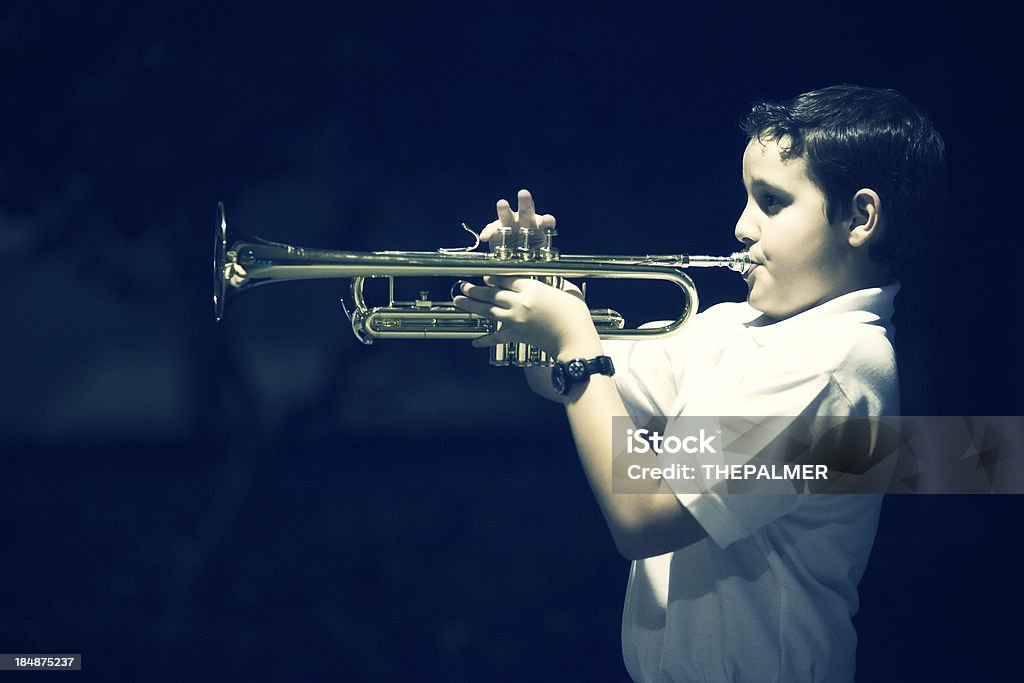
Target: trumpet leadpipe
{"points": [[737, 261]]}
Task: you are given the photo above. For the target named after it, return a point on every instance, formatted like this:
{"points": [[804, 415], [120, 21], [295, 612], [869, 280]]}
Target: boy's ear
{"points": [[866, 218]]}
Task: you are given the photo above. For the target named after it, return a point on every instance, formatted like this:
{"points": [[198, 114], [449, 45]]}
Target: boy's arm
{"points": [[642, 524], [539, 379]]}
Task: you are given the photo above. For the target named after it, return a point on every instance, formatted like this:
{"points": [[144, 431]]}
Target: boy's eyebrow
{"points": [[761, 184]]}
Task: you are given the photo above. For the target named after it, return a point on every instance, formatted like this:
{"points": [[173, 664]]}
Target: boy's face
{"points": [[800, 258]]}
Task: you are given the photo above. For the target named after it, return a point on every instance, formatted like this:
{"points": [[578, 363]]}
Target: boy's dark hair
{"points": [[855, 137]]}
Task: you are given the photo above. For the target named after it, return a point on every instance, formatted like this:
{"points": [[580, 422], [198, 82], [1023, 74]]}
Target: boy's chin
{"points": [[771, 309]]}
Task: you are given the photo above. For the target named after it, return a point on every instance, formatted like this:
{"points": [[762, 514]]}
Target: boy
{"points": [[752, 587]]}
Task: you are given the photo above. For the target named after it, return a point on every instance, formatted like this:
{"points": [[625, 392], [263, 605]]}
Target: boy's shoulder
{"points": [[850, 364], [839, 338]]}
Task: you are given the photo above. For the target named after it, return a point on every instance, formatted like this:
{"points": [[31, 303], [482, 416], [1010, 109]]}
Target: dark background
{"points": [[266, 498]]}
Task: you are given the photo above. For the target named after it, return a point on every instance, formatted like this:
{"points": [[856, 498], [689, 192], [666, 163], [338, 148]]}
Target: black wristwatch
{"points": [[578, 370]]}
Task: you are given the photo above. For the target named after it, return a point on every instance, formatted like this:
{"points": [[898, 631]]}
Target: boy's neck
{"points": [[872, 274], [861, 272]]}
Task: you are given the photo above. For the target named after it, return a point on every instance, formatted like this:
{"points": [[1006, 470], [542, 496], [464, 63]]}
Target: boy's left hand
{"points": [[531, 312]]}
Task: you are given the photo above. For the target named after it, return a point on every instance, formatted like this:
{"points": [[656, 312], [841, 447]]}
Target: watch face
{"points": [[576, 369], [557, 379]]}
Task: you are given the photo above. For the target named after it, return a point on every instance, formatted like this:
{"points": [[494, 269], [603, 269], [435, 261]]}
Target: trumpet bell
{"points": [[220, 248]]}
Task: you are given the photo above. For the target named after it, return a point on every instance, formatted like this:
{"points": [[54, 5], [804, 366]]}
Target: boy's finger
{"points": [[546, 221], [473, 306], [505, 215], [510, 282], [527, 212], [487, 295], [487, 234], [486, 340]]}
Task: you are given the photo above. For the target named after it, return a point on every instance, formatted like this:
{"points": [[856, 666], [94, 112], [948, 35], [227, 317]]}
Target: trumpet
{"points": [[241, 262]]}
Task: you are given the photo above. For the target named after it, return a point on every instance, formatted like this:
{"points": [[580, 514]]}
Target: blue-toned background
{"points": [[268, 498]]}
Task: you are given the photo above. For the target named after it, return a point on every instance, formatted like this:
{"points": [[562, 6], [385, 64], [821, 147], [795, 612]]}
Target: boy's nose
{"points": [[746, 229]]}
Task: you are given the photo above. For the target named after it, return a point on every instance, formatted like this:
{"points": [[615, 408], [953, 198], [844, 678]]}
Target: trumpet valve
{"points": [[548, 251], [500, 355], [524, 250], [523, 355], [501, 249]]}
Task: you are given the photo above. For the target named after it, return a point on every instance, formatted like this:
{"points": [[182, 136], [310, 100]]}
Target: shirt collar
{"points": [[872, 306]]}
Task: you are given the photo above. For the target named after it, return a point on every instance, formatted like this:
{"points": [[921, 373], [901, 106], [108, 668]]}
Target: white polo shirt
{"points": [[768, 596]]}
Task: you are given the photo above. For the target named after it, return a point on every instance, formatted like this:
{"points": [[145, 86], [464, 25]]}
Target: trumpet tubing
{"points": [[242, 262]]}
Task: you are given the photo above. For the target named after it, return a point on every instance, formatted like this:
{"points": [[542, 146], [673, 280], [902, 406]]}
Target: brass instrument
{"points": [[241, 262]]}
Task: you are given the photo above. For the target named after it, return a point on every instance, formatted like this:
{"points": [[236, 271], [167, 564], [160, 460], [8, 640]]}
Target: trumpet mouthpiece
{"points": [[738, 261]]}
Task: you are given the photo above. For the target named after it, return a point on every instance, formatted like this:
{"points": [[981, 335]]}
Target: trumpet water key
{"points": [[241, 262]]}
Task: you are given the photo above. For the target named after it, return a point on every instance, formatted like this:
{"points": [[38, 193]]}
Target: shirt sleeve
{"points": [[729, 509], [646, 376]]}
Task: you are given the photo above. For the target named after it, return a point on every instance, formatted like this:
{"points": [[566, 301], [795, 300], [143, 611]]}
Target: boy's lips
{"points": [[750, 269]]}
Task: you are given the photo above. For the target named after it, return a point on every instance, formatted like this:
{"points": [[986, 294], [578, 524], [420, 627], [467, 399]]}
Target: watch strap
{"points": [[600, 365]]}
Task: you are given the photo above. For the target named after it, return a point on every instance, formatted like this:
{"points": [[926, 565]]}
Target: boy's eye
{"points": [[770, 204]]}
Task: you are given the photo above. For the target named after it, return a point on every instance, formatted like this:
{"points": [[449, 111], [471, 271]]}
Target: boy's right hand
{"points": [[526, 217]]}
